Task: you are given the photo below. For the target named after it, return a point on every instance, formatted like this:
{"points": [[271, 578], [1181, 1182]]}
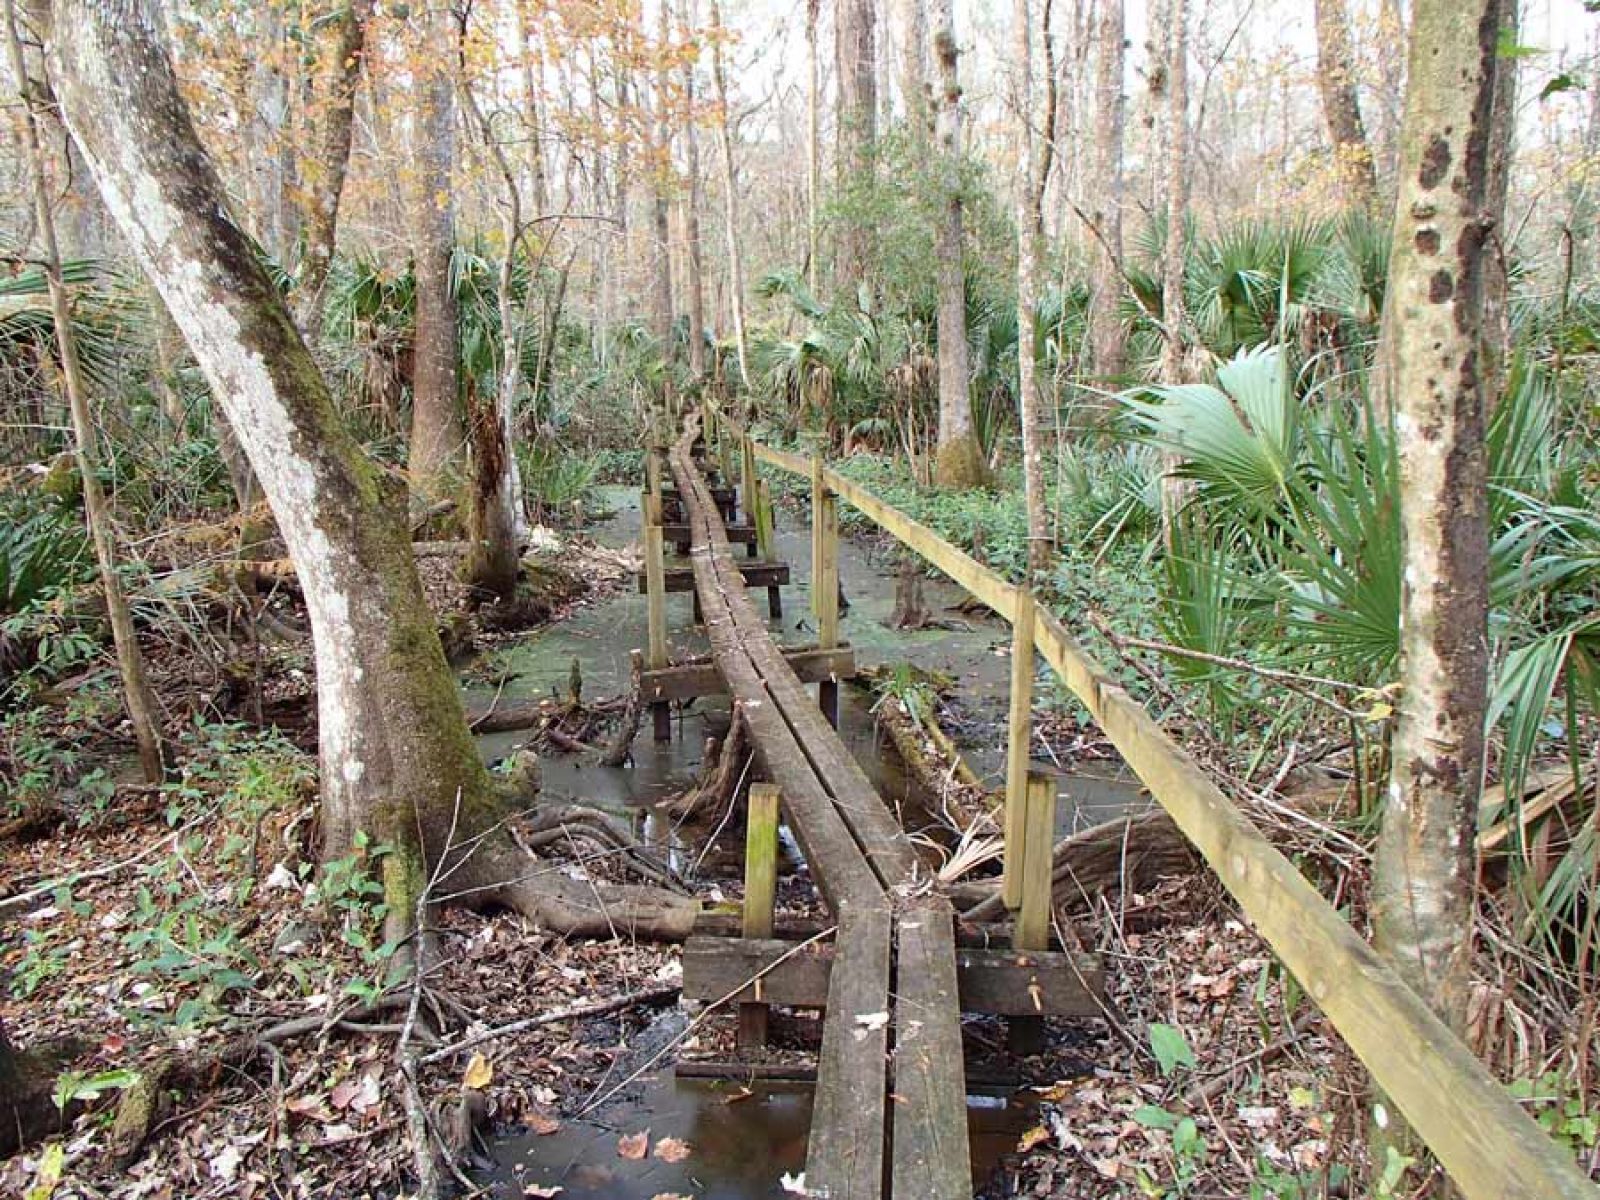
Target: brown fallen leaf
{"points": [[634, 1145], [1032, 1138], [672, 1150], [542, 1123]]}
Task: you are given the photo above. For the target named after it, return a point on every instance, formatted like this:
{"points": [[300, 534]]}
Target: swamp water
{"points": [[745, 1137]]}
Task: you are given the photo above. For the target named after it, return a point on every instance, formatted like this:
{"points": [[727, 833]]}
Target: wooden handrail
{"points": [[1488, 1144]]}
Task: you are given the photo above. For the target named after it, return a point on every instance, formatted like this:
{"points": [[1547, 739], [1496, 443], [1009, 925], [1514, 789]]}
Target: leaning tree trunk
{"points": [[958, 461], [1423, 868], [140, 702], [1336, 80], [1028, 238], [398, 762], [436, 437], [340, 38], [1106, 336]]}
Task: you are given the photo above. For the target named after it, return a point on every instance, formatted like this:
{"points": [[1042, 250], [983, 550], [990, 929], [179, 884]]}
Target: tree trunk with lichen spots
{"points": [[1336, 81], [398, 762], [958, 457], [1423, 868], [436, 436]]}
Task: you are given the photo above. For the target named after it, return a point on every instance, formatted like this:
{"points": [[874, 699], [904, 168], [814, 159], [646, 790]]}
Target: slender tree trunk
{"points": [[1177, 348], [813, 139], [340, 38], [1106, 336], [1336, 80], [1029, 236], [663, 317], [136, 694], [1497, 260], [436, 437], [398, 762], [730, 194], [691, 211], [532, 109], [959, 461], [914, 69], [1422, 886], [856, 55], [1158, 98]]}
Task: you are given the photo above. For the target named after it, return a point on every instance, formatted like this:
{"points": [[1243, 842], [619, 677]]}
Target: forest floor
{"points": [[195, 936]]}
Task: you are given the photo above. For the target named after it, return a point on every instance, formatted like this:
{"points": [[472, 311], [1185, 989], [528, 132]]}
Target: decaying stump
{"points": [[910, 611]]}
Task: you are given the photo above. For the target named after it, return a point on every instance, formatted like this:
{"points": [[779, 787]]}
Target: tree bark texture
{"points": [[436, 433], [856, 57], [1423, 867], [692, 261], [730, 188], [1107, 337]]}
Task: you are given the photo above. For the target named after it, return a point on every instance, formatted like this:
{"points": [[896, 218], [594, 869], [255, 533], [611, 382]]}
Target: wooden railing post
{"points": [[1034, 866], [764, 546], [825, 580], [1019, 739], [655, 574], [760, 895], [747, 478]]}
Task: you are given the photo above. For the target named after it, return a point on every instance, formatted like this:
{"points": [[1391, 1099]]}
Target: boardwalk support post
{"points": [[1032, 930], [655, 570], [825, 580], [1018, 741], [764, 546], [760, 895]]}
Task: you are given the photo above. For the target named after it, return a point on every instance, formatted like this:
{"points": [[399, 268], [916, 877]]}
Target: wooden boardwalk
{"points": [[893, 1014]]}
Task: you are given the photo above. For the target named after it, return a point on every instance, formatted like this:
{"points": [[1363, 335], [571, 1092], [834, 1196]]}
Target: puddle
{"points": [[742, 1138]]}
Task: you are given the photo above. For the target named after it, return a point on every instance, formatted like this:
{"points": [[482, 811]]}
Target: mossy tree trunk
{"points": [[398, 762], [958, 457]]}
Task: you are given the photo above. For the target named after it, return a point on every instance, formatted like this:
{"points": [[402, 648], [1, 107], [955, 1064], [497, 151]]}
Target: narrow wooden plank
{"points": [[1000, 982], [757, 572], [684, 681], [760, 893], [844, 1152], [1019, 742], [929, 1109], [681, 533]]}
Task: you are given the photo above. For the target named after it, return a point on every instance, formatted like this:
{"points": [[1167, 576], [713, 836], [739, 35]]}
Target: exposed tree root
{"points": [[1130, 854], [726, 765], [622, 740]]}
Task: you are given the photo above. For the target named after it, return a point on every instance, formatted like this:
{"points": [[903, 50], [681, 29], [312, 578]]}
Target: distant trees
{"points": [[1336, 81]]}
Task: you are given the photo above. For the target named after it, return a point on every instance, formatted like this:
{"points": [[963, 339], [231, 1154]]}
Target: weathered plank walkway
{"points": [[893, 970]]}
